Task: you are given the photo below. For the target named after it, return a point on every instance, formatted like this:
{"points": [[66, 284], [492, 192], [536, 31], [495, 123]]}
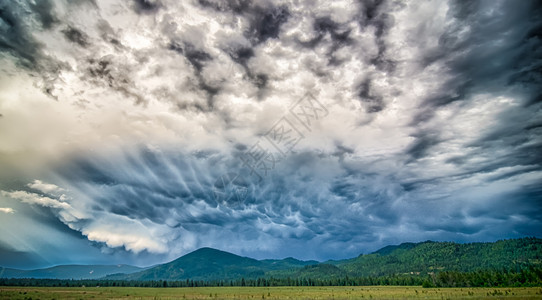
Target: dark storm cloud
{"points": [[373, 13], [145, 184], [195, 56], [16, 28], [496, 56], [169, 188], [526, 202], [241, 55], [237, 6], [422, 146], [510, 207], [265, 20], [18, 21], [44, 10], [324, 25], [81, 170], [146, 6], [265, 23], [16, 38], [323, 206], [499, 50], [106, 71], [372, 101], [260, 81], [521, 143], [75, 35], [198, 59], [108, 34], [338, 33]]}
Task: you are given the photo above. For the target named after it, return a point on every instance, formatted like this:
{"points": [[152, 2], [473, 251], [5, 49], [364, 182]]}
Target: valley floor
{"points": [[373, 292]]}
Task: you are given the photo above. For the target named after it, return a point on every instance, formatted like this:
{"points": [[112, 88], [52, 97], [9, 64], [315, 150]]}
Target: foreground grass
{"points": [[373, 292]]}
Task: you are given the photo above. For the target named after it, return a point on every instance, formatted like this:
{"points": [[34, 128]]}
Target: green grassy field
{"points": [[376, 292]]}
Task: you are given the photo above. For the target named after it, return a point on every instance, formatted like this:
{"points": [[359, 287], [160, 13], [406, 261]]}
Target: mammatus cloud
{"points": [[133, 110]]}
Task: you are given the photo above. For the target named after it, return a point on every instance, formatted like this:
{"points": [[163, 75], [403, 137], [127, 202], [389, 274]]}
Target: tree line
{"points": [[504, 278]]}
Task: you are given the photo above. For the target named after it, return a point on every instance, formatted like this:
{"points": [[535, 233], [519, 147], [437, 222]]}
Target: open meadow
{"points": [[375, 292]]}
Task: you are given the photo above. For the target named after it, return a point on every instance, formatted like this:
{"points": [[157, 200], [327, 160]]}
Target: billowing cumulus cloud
{"points": [[267, 128]]}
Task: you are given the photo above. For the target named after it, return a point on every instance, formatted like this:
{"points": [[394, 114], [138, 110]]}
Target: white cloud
{"points": [[66, 212], [133, 235], [7, 210], [32, 198], [44, 187]]}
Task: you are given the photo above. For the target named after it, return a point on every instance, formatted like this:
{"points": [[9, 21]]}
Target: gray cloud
{"points": [[76, 36], [146, 6], [16, 34]]}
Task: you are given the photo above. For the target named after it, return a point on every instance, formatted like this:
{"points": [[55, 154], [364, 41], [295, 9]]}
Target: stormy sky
{"points": [[138, 131]]}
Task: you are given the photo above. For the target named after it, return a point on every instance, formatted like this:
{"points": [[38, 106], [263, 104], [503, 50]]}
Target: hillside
{"points": [[431, 257], [207, 264], [212, 264], [202, 264], [446, 256], [287, 263], [69, 272]]}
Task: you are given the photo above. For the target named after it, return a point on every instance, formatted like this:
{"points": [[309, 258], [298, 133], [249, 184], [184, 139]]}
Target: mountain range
{"points": [[407, 258], [70, 271]]}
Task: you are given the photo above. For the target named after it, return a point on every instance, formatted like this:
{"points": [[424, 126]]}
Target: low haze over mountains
{"points": [[69, 271]]}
